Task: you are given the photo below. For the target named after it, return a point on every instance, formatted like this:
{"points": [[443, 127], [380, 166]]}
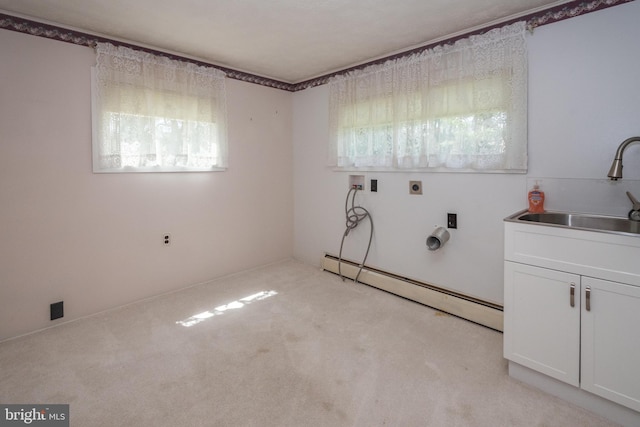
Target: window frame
{"points": [[98, 119], [470, 78]]}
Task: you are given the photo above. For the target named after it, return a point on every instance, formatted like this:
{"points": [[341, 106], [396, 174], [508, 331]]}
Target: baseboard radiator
{"points": [[473, 309]]}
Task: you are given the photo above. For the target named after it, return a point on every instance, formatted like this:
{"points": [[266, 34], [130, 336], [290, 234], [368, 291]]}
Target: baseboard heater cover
{"points": [[473, 309]]}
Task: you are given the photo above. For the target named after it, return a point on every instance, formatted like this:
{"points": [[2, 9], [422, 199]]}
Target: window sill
{"points": [[157, 169]]}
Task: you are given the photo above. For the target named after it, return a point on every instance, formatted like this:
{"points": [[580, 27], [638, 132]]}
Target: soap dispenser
{"points": [[536, 199]]}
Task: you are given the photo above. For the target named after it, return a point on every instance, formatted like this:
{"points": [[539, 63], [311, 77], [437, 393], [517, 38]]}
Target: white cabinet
{"points": [[566, 324], [541, 328], [610, 351]]}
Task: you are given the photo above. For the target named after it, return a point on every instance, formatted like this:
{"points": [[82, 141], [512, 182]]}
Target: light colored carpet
{"points": [[315, 351]]}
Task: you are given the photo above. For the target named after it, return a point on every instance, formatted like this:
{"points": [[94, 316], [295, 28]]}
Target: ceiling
{"points": [[286, 40]]}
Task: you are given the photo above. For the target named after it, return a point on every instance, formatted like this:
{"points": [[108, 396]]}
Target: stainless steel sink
{"points": [[608, 224]]}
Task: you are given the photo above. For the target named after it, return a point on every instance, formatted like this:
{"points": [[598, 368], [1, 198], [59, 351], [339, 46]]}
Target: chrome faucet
{"points": [[634, 213], [615, 173]]}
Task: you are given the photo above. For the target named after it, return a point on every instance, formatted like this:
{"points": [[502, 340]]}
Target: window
{"points": [[154, 114], [459, 107]]}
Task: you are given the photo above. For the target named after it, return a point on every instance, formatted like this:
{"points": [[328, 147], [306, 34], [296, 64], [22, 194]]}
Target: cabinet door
{"points": [[611, 342], [541, 325]]}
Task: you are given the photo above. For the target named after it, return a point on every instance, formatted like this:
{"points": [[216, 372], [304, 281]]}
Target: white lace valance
{"points": [[155, 114], [455, 107]]}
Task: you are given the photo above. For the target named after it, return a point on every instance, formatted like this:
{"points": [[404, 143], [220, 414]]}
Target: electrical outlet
{"points": [[374, 186], [452, 220], [415, 187], [166, 239], [57, 310]]}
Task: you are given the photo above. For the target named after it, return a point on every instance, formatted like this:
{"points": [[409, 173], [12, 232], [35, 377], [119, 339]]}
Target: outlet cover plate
{"points": [[57, 310], [452, 220], [415, 187]]}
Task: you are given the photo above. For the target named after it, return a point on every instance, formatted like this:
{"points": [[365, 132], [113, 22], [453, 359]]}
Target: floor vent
{"points": [[482, 312]]}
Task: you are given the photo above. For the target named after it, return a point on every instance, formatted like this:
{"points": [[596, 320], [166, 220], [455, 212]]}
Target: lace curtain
{"points": [[460, 107], [154, 114]]}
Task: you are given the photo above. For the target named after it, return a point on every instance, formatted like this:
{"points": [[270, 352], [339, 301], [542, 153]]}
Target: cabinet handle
{"points": [[587, 293], [572, 294]]}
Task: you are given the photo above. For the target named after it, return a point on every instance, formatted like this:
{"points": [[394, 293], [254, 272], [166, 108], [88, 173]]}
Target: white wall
{"points": [[584, 100], [95, 240]]}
